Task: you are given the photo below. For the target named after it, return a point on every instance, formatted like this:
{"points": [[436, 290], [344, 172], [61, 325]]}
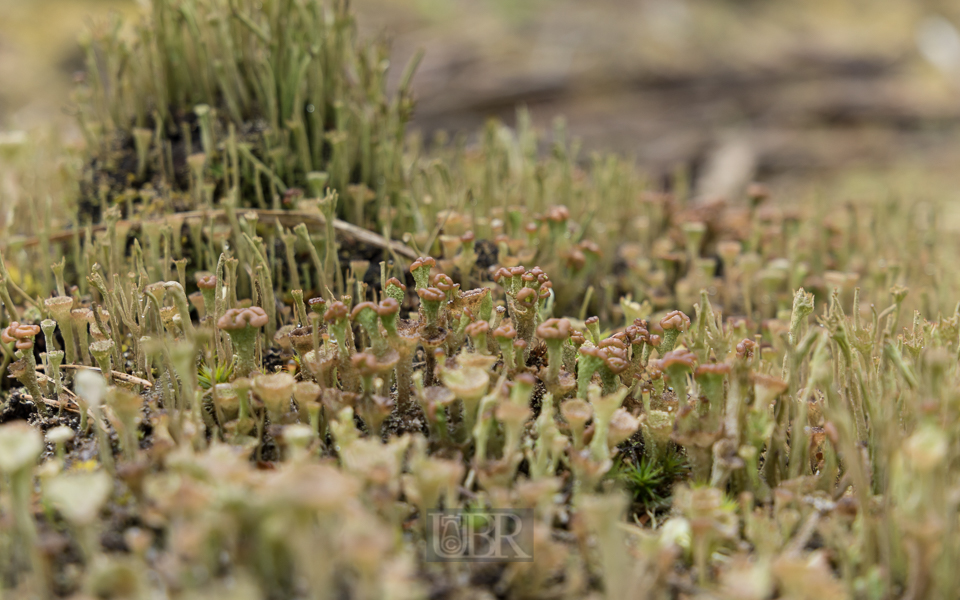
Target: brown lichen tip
{"points": [[387, 307], [612, 342], [505, 332], [431, 294], [554, 329], [576, 336], [637, 335], [396, 282], [527, 297], [590, 248], [477, 328], [615, 364], [534, 274], [575, 259], [614, 358], [594, 351], [745, 348], [654, 340], [758, 192], [240, 318], [736, 322], [207, 282], [558, 214], [359, 308], [517, 271], [21, 334], [679, 357], [423, 261], [468, 237], [292, 194], [368, 365], [675, 320], [545, 288], [711, 369], [443, 282], [337, 311], [365, 363], [774, 385]]}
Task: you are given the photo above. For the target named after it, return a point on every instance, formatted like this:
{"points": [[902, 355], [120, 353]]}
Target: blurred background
{"points": [[859, 95]]}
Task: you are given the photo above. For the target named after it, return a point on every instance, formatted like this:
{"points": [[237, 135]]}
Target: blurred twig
{"points": [[283, 217]]}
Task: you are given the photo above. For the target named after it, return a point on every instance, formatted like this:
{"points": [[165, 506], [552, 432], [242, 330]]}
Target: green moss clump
{"points": [[242, 99]]}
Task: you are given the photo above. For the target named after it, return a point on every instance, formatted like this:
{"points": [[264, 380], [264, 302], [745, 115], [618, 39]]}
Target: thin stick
{"points": [[116, 375], [286, 218], [56, 403]]}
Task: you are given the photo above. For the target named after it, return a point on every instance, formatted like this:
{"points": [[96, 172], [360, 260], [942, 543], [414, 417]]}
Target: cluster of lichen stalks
{"points": [[249, 440], [234, 94], [819, 461]]}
